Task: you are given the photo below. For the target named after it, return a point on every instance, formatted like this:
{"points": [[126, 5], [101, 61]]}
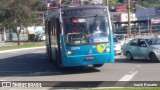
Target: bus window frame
{"points": [[107, 29]]}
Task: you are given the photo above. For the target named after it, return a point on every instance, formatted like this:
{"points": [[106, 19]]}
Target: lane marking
{"points": [[40, 52], [138, 66], [128, 76], [3, 80]]}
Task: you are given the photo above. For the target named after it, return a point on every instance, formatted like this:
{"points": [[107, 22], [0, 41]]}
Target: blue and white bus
{"points": [[80, 36]]}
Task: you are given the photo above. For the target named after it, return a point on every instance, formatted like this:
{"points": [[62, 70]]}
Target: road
{"points": [[33, 65]]}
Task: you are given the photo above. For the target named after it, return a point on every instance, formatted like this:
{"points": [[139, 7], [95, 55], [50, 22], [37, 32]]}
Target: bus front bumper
{"points": [[84, 60]]}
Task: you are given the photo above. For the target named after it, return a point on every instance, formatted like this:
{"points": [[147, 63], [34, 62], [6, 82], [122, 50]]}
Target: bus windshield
{"points": [[86, 30]]}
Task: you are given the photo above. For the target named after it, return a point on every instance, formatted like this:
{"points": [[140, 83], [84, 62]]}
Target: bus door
{"points": [[48, 37], [59, 49]]}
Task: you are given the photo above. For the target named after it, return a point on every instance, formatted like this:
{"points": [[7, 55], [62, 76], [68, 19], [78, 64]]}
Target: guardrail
{"points": [[146, 35]]}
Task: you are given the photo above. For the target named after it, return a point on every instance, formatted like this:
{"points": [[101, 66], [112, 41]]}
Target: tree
{"points": [[65, 2], [16, 14], [149, 3], [111, 2]]}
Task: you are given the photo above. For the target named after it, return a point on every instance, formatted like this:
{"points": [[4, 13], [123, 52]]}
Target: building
{"points": [[86, 2], [75, 2], [92, 2], [149, 17], [118, 8]]}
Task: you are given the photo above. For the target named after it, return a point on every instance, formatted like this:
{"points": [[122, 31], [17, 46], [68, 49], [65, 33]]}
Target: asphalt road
{"points": [[33, 65]]}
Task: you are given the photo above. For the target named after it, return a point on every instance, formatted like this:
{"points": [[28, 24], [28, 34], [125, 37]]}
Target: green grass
{"points": [[23, 45], [134, 88]]}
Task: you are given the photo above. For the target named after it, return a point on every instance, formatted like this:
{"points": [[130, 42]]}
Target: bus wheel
{"points": [[50, 55], [56, 56], [98, 65]]}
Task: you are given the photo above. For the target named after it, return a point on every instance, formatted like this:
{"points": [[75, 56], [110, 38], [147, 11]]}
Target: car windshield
{"points": [[153, 41], [86, 30]]}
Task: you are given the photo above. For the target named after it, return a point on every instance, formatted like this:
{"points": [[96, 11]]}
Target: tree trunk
{"points": [[18, 38], [18, 34], [4, 34]]}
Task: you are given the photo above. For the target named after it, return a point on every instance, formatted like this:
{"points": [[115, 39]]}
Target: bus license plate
{"points": [[89, 58]]}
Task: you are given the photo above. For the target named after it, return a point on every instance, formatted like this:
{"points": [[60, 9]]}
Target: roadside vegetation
{"points": [[23, 45], [18, 14]]}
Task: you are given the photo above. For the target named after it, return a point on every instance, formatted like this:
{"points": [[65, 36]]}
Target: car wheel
{"points": [[129, 56], [153, 57], [98, 65]]}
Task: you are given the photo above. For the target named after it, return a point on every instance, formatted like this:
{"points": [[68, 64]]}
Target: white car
{"points": [[117, 46], [127, 41], [122, 38]]}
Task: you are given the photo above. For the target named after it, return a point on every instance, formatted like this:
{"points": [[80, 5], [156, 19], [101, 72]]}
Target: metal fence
{"points": [[145, 35], [13, 37]]}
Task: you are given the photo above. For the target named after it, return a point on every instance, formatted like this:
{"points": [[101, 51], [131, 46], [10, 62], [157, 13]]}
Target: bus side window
{"points": [[49, 27], [54, 32], [58, 26]]}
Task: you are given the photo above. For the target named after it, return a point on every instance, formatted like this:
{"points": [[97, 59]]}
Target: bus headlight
{"points": [[69, 52], [108, 50]]}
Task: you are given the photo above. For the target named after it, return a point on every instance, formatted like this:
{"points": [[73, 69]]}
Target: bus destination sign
{"points": [[84, 12]]}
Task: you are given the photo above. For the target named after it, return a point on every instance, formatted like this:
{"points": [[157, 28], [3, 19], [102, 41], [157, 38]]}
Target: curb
{"points": [[6, 51]]}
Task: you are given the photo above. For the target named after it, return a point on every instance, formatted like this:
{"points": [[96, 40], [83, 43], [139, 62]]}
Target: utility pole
{"points": [[129, 23], [107, 3]]}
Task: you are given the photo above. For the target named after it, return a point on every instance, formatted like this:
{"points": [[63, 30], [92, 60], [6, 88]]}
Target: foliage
{"points": [[65, 2], [15, 14], [149, 3], [111, 2], [144, 3]]}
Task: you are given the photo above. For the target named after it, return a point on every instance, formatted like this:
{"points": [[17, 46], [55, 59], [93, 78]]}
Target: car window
{"points": [[115, 39], [134, 42], [120, 37], [142, 43], [154, 41], [149, 41], [126, 37]]}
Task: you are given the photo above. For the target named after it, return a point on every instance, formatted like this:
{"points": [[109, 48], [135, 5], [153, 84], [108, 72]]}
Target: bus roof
{"points": [[55, 11], [82, 7]]}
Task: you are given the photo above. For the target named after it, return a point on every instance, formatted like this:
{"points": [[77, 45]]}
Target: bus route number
{"points": [[75, 48]]}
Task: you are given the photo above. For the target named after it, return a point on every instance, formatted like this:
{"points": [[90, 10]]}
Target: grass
{"points": [[23, 45]]}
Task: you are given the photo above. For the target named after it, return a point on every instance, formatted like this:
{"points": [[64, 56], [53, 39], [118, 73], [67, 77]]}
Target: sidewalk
{"points": [[2, 43], [21, 49]]}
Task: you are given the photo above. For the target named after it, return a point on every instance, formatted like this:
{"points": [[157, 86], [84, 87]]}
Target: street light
{"points": [[147, 14], [129, 22]]}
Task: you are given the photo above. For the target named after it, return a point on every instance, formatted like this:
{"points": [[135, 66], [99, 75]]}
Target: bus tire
{"points": [[56, 56], [50, 57], [98, 65], [50, 54]]}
